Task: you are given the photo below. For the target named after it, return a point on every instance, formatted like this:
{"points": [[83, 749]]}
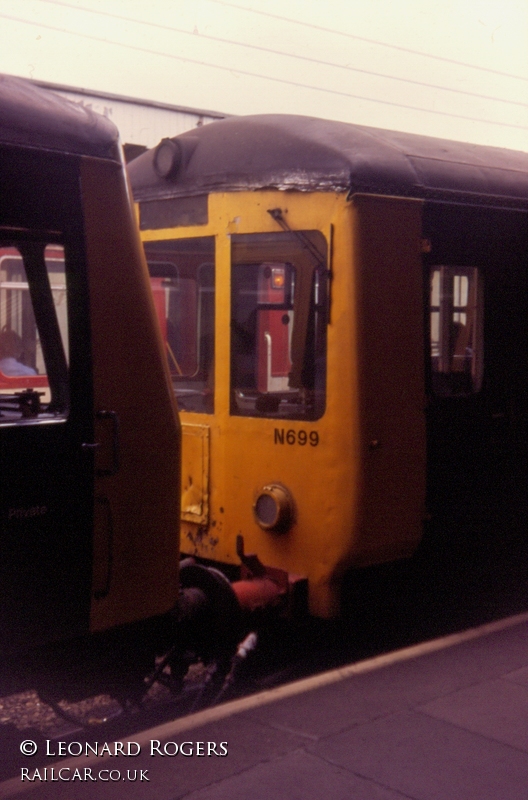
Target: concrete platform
{"points": [[443, 720]]}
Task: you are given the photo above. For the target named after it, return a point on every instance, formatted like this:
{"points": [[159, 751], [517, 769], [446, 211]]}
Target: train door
{"points": [[46, 474], [476, 300]]}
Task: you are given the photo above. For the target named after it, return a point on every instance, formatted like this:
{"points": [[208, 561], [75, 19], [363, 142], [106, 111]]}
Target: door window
{"points": [[456, 309]]}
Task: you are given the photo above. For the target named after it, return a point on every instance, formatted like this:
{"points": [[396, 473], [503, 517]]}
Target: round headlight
{"points": [[273, 508], [167, 158]]}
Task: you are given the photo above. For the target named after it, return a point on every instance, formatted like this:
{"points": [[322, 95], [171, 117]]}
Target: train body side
{"points": [[136, 491], [86, 446], [351, 288]]}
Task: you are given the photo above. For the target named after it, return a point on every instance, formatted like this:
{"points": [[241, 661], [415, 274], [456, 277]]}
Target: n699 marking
{"points": [[301, 437]]}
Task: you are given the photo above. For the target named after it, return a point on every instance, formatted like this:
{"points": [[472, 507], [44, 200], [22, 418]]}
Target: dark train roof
{"points": [[308, 154], [34, 117]]}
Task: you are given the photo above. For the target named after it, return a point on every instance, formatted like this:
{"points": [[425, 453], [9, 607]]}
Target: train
{"points": [[344, 316], [90, 437], [219, 402]]}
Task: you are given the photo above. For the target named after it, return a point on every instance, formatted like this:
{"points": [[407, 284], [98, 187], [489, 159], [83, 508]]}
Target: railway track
{"points": [[403, 605]]}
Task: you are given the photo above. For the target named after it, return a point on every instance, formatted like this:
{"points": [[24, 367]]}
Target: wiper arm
{"points": [[319, 258]]}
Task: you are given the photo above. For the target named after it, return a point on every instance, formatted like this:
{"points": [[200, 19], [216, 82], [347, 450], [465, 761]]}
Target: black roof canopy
{"points": [[308, 154], [35, 118]]}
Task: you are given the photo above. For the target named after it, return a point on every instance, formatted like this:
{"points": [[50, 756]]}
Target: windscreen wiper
{"points": [[319, 258]]}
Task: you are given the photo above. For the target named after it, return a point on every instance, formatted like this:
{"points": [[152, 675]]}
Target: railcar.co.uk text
{"points": [[155, 747]]}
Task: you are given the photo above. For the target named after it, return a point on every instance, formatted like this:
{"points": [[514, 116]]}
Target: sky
{"points": [[457, 69]]}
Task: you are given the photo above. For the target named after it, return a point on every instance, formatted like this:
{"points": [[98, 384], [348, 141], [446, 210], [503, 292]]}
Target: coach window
{"points": [[278, 325], [33, 331], [182, 278], [456, 308]]}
